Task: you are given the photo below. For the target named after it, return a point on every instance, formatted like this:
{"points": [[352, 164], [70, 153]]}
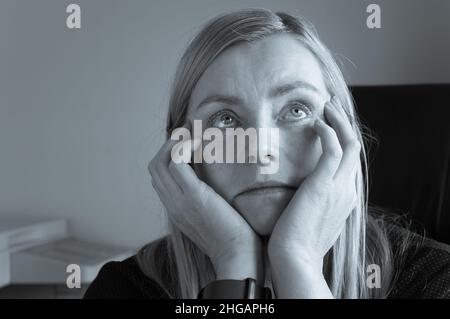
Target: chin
{"points": [[261, 211]]}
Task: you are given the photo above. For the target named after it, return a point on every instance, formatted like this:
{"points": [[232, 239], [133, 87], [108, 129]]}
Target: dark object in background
{"points": [[410, 166]]}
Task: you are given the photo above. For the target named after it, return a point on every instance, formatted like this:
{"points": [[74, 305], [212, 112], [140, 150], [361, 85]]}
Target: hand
{"points": [[206, 218], [316, 215]]}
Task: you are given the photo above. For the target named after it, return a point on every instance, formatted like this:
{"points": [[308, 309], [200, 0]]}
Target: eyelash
{"points": [[219, 114], [291, 105], [297, 104]]}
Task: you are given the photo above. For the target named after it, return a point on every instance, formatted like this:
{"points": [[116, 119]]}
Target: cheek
{"points": [[300, 150], [218, 176]]}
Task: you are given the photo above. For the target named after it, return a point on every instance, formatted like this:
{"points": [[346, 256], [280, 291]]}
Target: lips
{"points": [[267, 188]]}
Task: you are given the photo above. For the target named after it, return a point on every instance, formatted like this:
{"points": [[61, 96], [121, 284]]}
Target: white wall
{"points": [[82, 112]]}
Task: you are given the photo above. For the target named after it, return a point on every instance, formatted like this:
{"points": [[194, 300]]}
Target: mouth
{"points": [[267, 188]]}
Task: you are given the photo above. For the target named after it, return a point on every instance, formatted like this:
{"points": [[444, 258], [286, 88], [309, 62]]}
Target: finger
{"points": [[178, 136], [163, 180], [350, 161], [335, 101], [182, 152], [172, 187], [170, 181], [156, 165], [166, 151], [185, 177], [164, 168], [347, 138], [164, 195], [160, 180], [159, 172], [354, 186], [184, 174], [331, 152], [160, 190], [340, 123]]}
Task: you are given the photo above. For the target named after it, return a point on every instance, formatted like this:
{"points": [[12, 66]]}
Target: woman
{"points": [[304, 231]]}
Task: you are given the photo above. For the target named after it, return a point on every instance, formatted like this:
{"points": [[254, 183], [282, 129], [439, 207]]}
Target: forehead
{"points": [[248, 70]]}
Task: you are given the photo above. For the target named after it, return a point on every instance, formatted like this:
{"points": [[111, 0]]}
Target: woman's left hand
{"points": [[316, 215]]}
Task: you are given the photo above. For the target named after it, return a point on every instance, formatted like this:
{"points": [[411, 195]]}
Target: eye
{"points": [[223, 119], [295, 111]]}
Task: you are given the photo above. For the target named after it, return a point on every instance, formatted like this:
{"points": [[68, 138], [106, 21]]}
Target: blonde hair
{"points": [[179, 266]]}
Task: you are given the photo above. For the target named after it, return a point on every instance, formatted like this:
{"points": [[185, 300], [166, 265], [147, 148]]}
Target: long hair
{"points": [[363, 240]]}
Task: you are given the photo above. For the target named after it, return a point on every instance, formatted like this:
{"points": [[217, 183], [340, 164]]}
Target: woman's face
{"points": [[271, 83]]}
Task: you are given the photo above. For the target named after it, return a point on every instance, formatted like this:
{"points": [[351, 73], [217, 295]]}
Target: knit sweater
{"points": [[425, 273]]}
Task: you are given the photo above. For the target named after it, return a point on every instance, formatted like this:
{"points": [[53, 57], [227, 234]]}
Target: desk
{"points": [[37, 252]]}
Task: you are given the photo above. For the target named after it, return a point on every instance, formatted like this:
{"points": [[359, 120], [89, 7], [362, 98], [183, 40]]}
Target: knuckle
{"points": [[159, 167], [152, 166], [355, 146], [155, 185], [173, 166], [336, 152], [332, 132], [174, 172]]}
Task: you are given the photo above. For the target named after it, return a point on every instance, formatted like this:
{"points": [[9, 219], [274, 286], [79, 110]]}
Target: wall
{"points": [[82, 112]]}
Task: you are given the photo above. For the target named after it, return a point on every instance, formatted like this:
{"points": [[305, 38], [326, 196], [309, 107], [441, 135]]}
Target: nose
{"points": [[257, 159], [268, 146], [268, 135]]}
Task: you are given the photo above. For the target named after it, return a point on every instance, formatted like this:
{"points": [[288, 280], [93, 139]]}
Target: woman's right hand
{"points": [[206, 218]]}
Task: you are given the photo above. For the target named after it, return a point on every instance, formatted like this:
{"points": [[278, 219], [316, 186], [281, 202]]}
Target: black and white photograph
{"points": [[206, 149]]}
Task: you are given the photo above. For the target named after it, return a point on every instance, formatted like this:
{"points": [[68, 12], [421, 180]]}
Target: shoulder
{"points": [[123, 280], [424, 271]]}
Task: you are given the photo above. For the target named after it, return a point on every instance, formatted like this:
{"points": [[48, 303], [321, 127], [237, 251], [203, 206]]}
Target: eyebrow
{"points": [[274, 92], [286, 88]]}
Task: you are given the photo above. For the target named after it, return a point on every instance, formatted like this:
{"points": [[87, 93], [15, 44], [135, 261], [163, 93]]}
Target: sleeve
{"points": [[123, 280], [425, 275]]}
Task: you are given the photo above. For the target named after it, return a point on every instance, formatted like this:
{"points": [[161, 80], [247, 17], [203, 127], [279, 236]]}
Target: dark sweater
{"points": [[425, 274]]}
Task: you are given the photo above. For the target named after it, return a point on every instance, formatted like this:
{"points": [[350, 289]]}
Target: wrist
{"points": [[298, 276], [302, 262], [241, 266], [299, 257]]}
